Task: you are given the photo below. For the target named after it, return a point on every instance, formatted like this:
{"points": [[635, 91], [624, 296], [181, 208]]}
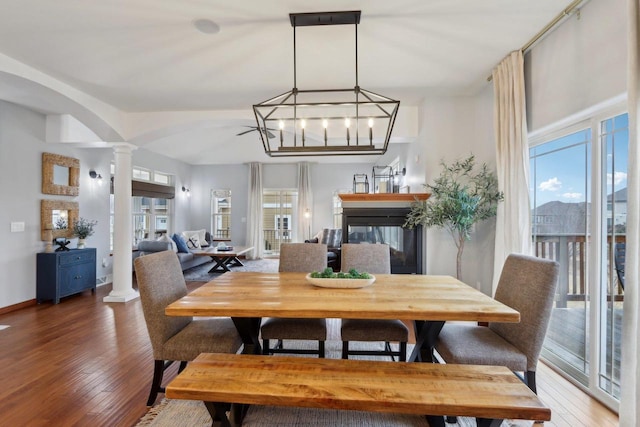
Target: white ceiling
{"points": [[146, 55]]}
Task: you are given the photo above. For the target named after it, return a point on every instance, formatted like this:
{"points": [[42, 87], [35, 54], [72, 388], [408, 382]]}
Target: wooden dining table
{"points": [[428, 300]]}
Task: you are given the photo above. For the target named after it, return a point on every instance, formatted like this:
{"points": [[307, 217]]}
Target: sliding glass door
{"points": [[586, 235], [280, 218]]}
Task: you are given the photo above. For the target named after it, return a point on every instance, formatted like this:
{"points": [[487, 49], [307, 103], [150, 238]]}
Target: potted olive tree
{"points": [[460, 197]]}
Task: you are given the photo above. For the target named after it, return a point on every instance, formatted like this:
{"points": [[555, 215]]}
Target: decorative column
{"points": [[122, 229]]}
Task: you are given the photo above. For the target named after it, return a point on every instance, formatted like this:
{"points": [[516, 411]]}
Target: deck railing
{"points": [[571, 252]]}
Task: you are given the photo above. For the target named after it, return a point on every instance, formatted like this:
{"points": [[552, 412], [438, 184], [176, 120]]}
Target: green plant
{"points": [[328, 273], [460, 197], [83, 228]]}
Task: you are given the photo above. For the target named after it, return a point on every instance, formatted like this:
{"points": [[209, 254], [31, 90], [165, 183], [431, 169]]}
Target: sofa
{"points": [[332, 237], [185, 254]]}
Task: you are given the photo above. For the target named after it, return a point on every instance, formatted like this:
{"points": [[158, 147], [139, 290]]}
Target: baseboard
{"points": [[104, 280], [20, 305]]}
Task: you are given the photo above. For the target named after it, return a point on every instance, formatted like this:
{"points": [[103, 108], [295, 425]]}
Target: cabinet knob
{"points": [[78, 257], [78, 277]]}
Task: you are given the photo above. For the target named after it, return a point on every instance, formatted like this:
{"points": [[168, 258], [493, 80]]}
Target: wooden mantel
{"points": [[384, 197]]}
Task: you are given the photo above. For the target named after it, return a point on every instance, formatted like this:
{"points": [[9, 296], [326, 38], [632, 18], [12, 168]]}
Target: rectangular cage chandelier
{"points": [[326, 122]]}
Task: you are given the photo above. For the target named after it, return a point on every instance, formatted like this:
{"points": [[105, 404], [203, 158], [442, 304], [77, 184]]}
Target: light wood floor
{"points": [[86, 363]]}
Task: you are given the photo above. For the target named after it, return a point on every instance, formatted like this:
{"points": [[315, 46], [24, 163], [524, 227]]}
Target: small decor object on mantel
{"points": [[83, 228], [461, 196]]}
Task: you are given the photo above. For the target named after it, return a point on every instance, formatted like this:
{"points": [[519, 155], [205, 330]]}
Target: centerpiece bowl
{"points": [[340, 283]]}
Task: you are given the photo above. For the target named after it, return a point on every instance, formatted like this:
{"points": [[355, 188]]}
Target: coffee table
{"points": [[224, 258]]}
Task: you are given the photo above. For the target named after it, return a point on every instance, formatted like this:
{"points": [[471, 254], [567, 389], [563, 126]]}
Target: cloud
{"points": [[618, 177], [552, 184], [572, 196]]}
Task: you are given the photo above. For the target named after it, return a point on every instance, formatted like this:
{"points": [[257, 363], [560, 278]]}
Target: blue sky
{"points": [[560, 169]]}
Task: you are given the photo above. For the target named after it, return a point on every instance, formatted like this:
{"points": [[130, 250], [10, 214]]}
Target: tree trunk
{"points": [[459, 258]]}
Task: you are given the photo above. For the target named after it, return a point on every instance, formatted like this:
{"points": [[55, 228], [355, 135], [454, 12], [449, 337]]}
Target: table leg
{"points": [[218, 413], [221, 264], [426, 336], [235, 262], [249, 329]]}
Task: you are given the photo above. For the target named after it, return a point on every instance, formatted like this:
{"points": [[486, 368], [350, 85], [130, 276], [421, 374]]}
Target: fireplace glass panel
{"points": [[404, 244]]}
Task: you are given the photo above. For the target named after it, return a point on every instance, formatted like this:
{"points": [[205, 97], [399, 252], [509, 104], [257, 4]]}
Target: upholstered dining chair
{"points": [[160, 282], [526, 284], [374, 259], [297, 257]]}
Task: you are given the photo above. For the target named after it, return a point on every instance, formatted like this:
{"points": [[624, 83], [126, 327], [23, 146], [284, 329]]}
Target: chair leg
{"points": [[531, 381], [158, 372], [183, 364], [321, 349], [387, 347], [265, 346], [403, 351], [345, 349]]}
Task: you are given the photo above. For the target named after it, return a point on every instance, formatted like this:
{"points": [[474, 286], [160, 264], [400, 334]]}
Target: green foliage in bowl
{"points": [[328, 273]]}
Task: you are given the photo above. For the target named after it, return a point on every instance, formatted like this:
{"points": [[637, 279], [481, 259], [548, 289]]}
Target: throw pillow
{"points": [[193, 242], [165, 238], [180, 243], [186, 235]]}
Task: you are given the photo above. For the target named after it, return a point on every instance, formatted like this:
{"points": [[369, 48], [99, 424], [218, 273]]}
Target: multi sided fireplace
{"points": [[372, 220]]}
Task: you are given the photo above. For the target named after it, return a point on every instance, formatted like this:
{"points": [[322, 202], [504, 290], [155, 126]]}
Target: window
{"points": [[151, 211], [141, 174], [150, 217], [279, 218], [221, 214], [337, 207]]}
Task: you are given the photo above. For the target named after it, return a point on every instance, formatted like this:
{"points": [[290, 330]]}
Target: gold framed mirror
{"points": [[60, 175], [57, 216]]}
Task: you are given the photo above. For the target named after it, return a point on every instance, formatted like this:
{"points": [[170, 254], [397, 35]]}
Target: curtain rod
{"points": [[551, 25]]}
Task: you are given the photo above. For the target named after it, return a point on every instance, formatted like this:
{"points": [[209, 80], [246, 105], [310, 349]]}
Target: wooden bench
{"points": [[489, 393]]}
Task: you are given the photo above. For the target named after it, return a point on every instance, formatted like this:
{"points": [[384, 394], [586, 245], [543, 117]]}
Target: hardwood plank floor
{"points": [[87, 363]]}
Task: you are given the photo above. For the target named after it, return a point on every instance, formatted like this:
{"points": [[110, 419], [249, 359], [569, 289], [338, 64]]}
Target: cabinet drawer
{"points": [[78, 257]]}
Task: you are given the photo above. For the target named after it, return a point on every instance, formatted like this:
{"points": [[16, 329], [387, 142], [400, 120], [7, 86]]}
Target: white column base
{"points": [[121, 297]]}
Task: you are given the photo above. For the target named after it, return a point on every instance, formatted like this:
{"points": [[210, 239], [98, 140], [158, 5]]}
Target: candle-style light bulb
{"points": [[325, 124], [370, 130], [347, 123], [281, 125], [303, 123]]}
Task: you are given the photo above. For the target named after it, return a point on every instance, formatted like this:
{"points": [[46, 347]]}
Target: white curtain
{"points": [[305, 201], [630, 371], [513, 228], [255, 234]]}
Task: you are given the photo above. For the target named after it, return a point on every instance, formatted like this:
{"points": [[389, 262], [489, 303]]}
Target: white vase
{"points": [[80, 243]]}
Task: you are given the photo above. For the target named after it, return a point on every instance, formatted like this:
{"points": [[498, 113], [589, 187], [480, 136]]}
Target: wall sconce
{"points": [[186, 190], [94, 175]]}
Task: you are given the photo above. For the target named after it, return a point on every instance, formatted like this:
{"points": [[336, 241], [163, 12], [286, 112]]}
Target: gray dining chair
{"points": [[160, 282], [305, 258], [374, 259], [527, 284]]}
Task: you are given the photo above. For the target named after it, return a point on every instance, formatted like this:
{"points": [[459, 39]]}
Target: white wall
{"points": [[580, 64], [452, 128], [21, 146]]}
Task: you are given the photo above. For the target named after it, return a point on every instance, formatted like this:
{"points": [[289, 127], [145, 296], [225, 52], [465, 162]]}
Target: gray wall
{"points": [[579, 65]]}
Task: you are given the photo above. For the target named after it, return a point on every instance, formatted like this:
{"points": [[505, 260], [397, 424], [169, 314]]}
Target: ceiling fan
{"points": [[254, 129]]}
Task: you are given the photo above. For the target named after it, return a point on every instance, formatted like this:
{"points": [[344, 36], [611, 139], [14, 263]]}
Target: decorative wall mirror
{"points": [[57, 216], [60, 175]]}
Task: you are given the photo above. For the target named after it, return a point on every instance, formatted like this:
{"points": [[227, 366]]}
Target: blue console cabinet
{"points": [[60, 274]]}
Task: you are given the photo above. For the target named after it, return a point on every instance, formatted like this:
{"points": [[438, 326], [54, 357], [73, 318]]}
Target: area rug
{"points": [[201, 272], [185, 413]]}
